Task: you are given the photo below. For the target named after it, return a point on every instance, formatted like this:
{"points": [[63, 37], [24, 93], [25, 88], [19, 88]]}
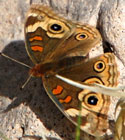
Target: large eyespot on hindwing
{"points": [[99, 66], [81, 36], [91, 100]]}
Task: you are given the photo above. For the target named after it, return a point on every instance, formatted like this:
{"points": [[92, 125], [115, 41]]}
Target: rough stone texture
{"points": [[30, 112]]}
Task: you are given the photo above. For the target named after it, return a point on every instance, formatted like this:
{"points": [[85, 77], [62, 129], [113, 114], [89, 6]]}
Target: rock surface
{"points": [[30, 112]]}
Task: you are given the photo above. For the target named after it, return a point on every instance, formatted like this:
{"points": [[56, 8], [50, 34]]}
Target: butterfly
{"points": [[60, 46]]}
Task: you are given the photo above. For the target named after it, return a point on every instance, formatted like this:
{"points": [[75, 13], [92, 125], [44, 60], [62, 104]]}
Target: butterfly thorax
{"points": [[54, 67]]}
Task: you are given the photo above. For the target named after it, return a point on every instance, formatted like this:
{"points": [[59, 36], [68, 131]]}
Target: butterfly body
{"points": [[60, 46]]}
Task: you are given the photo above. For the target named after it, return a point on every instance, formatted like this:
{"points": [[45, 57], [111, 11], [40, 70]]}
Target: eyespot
{"points": [[91, 99], [81, 36], [55, 28], [99, 66]]}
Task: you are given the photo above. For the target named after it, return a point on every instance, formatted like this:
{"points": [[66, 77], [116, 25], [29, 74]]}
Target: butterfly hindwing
{"points": [[95, 106]]}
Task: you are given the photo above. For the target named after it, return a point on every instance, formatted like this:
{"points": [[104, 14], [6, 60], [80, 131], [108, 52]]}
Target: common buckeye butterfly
{"points": [[60, 46]]}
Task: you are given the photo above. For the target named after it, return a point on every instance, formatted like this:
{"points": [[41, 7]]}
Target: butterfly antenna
{"points": [[12, 59], [21, 63], [28, 79]]}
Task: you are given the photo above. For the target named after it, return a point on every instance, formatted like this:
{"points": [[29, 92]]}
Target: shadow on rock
{"points": [[14, 75]]}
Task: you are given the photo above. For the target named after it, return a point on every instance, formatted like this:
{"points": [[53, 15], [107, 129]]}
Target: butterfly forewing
{"points": [[50, 37], [95, 106], [44, 32]]}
